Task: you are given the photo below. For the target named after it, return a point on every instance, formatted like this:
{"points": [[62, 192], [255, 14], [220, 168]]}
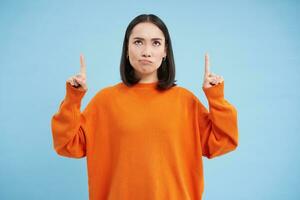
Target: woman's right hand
{"points": [[79, 80]]}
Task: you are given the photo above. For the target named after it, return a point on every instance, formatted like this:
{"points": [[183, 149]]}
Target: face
{"points": [[146, 49]]}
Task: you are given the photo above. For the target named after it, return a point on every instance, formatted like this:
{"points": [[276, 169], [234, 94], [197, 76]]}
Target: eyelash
{"points": [[140, 41]]}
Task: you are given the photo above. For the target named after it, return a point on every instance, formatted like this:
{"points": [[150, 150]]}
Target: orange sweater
{"points": [[145, 144]]}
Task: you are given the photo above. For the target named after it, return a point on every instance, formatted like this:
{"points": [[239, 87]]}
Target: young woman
{"points": [[144, 137]]}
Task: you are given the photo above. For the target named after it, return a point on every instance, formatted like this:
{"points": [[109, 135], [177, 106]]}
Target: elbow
{"points": [[233, 141], [233, 146], [234, 136], [69, 153], [224, 146]]}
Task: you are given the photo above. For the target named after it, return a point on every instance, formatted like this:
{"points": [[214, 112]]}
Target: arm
{"points": [[69, 125], [218, 127]]}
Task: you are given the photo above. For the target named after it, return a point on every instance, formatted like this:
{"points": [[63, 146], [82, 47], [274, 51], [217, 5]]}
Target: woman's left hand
{"points": [[210, 79]]}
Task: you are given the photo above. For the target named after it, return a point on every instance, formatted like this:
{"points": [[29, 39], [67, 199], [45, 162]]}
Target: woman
{"points": [[144, 137]]}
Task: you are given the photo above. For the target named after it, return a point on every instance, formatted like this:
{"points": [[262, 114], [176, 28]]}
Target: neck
{"points": [[148, 78]]}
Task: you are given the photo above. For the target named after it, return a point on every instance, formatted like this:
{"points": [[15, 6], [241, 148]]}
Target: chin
{"points": [[147, 70]]}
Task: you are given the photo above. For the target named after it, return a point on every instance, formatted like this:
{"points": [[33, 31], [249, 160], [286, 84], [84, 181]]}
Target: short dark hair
{"points": [[165, 72]]}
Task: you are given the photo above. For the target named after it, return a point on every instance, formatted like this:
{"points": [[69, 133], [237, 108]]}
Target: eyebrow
{"points": [[144, 39]]}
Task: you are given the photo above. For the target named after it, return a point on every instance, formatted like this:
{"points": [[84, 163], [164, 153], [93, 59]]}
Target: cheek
{"points": [[133, 53], [161, 53], [159, 56], [133, 57]]}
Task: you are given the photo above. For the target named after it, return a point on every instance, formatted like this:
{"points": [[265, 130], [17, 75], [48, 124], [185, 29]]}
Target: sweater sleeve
{"points": [[70, 126], [218, 127]]}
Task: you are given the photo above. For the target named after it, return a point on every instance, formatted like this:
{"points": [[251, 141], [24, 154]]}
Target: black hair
{"points": [[165, 72]]}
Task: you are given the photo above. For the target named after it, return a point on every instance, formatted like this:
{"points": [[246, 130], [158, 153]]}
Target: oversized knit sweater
{"points": [[144, 144]]}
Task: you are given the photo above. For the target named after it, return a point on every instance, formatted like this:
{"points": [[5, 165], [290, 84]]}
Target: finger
{"points": [[209, 80], [212, 75], [80, 81], [216, 76], [207, 65], [220, 79], [75, 82], [70, 80], [81, 76], [214, 81], [82, 65]]}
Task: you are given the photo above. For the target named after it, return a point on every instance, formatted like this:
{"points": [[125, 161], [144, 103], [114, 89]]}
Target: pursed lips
{"points": [[145, 61]]}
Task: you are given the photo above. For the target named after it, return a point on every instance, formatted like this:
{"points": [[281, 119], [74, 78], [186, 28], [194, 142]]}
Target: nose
{"points": [[146, 52]]}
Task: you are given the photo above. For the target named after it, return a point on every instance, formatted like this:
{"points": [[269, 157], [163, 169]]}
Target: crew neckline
{"points": [[146, 85]]}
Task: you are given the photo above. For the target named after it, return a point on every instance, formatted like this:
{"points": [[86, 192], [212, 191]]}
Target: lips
{"points": [[145, 61]]}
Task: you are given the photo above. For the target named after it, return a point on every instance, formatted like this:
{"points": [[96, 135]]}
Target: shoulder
{"points": [[186, 93], [192, 99], [105, 91]]}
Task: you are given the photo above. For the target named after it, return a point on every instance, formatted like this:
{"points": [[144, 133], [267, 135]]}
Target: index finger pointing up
{"points": [[207, 64], [82, 65]]}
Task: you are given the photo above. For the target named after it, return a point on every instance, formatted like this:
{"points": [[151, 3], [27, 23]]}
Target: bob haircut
{"points": [[165, 72]]}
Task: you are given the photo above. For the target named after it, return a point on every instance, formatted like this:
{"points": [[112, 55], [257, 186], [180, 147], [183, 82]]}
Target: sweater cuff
{"points": [[216, 91], [74, 94]]}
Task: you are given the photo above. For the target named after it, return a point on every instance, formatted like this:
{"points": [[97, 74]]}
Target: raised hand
{"points": [[210, 79], [79, 80]]}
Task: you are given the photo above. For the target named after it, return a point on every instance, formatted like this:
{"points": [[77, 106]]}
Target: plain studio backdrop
{"points": [[254, 45]]}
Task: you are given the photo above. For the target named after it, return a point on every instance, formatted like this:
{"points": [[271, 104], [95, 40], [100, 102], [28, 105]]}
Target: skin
{"points": [[210, 79], [79, 80], [146, 47]]}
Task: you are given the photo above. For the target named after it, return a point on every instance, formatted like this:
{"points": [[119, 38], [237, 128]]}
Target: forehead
{"points": [[146, 30]]}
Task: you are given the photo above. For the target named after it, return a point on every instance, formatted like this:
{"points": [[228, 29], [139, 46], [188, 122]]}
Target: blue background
{"points": [[254, 45]]}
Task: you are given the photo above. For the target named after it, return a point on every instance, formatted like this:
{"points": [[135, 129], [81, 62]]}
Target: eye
{"points": [[137, 41], [157, 42]]}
